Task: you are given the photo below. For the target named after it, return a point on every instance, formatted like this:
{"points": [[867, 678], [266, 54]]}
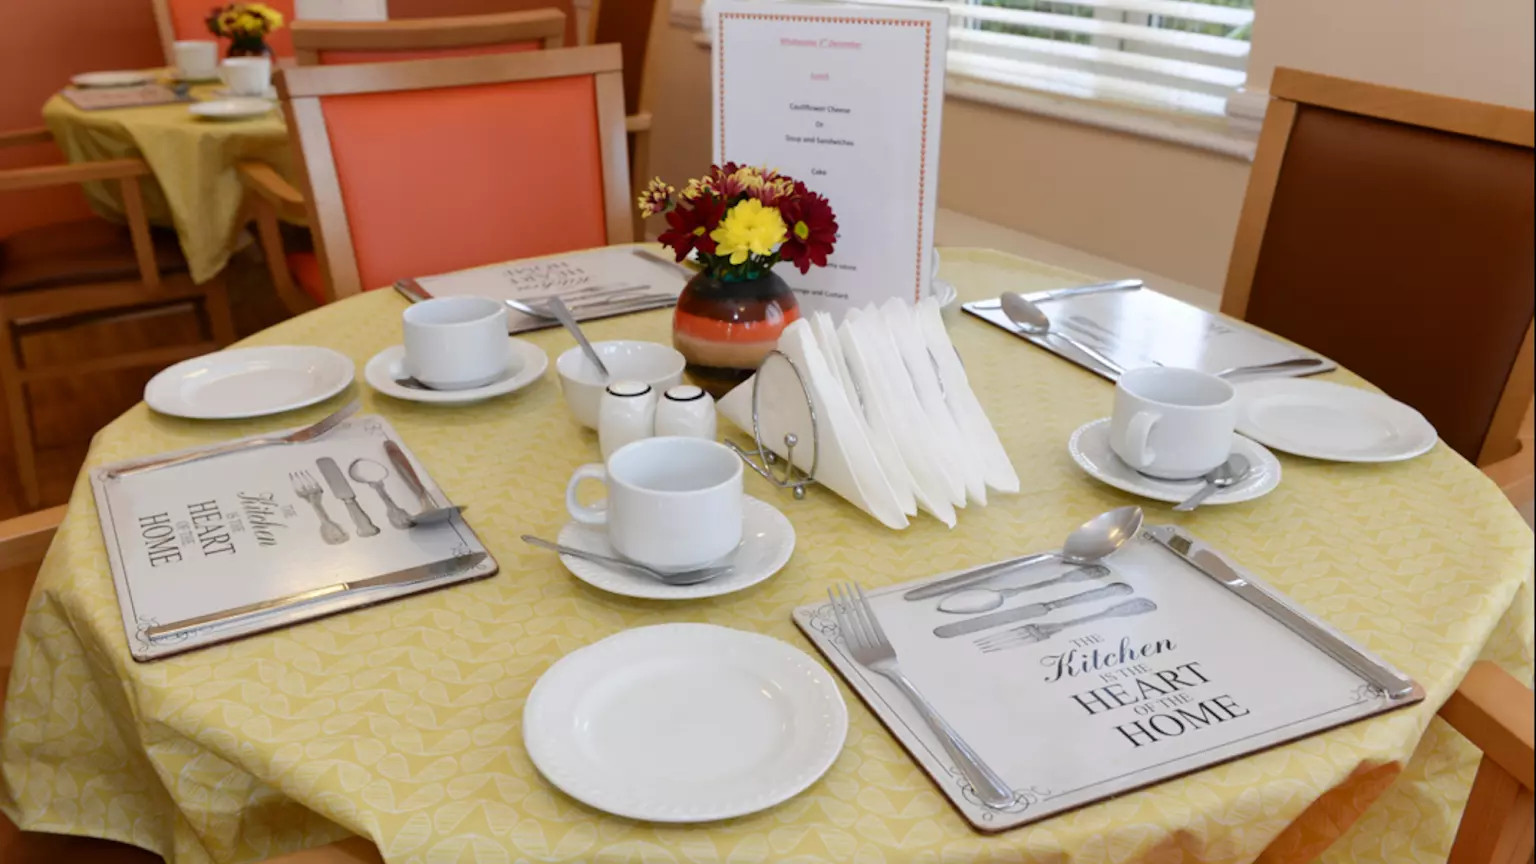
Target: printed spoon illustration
{"points": [[373, 474], [973, 600]]}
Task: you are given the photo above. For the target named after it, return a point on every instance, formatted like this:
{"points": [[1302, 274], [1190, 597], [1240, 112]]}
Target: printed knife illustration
{"points": [[1031, 633], [343, 490], [1024, 613]]}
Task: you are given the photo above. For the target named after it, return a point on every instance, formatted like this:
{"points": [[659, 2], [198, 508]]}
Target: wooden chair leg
{"points": [[1498, 826], [271, 237], [14, 391], [221, 323]]}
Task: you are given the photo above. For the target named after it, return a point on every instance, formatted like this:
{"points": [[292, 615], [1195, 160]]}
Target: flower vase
{"points": [[724, 328], [248, 48]]}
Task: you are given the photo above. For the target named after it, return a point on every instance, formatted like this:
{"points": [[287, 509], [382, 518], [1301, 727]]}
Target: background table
{"points": [[402, 722], [193, 161]]}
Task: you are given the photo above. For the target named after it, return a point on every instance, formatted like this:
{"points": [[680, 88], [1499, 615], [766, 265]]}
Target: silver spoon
{"points": [[1029, 318], [560, 312], [1291, 365], [1224, 476], [973, 600], [685, 577]]}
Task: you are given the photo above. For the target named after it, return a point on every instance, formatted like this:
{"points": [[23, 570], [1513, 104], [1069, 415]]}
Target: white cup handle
{"points": [[1137, 434], [596, 514]]}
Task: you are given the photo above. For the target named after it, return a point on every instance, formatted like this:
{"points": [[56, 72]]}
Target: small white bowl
{"points": [[660, 366]]}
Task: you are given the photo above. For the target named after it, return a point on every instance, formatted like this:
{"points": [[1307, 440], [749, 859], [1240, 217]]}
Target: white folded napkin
{"points": [[984, 445], [875, 427]]}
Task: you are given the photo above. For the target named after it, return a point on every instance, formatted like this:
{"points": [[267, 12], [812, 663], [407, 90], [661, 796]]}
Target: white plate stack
{"points": [[897, 425]]}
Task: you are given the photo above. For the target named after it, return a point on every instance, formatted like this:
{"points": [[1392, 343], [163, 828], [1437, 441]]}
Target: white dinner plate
{"points": [[1323, 420], [767, 542], [249, 382], [230, 109], [387, 367], [111, 79], [1091, 451], [684, 723]]}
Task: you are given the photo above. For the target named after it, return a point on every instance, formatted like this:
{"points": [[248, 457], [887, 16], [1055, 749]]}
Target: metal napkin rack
{"points": [[792, 478]]}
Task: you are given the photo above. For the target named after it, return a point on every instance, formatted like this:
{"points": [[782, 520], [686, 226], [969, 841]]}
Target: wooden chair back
{"points": [[428, 166], [1496, 713], [626, 23], [186, 19], [329, 43], [1392, 231], [406, 9]]}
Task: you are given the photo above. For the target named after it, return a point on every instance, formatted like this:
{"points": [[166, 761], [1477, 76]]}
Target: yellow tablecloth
{"points": [[402, 722], [193, 161]]}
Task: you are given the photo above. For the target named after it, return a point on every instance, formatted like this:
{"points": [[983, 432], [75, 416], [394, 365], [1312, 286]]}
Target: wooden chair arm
{"points": [[17, 179], [353, 850], [1497, 714], [261, 178], [24, 540], [640, 122], [25, 136]]}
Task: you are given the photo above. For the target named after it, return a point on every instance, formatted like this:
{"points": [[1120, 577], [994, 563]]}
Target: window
{"points": [[1185, 56]]}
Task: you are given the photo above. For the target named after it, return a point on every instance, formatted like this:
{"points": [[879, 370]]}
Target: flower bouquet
{"points": [[246, 26], [739, 222]]}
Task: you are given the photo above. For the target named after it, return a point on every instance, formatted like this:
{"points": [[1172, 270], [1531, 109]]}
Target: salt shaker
{"points": [[626, 412], [687, 411]]}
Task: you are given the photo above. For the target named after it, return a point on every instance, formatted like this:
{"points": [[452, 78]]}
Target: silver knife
{"points": [[975, 576], [1394, 683], [402, 464], [402, 577], [343, 491], [1024, 613]]}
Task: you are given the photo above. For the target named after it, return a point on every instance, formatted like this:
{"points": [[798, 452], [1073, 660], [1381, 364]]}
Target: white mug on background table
{"points": [[457, 343], [1171, 423], [196, 59], [673, 503], [625, 414], [246, 76]]}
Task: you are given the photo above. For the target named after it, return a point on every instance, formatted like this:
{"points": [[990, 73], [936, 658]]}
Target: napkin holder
{"points": [[793, 478]]}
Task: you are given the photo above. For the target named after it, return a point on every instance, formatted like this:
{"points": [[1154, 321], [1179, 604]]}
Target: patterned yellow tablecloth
{"points": [[197, 191], [402, 722]]}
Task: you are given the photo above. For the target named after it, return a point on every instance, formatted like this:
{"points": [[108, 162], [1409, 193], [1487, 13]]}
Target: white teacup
{"points": [[1175, 424], [673, 503], [196, 59], [457, 343], [246, 76]]}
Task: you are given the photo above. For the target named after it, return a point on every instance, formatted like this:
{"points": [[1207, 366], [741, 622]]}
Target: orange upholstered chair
{"points": [[427, 166], [184, 19]]}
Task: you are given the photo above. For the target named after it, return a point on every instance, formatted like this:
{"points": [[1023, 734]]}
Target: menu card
{"points": [[1087, 683], [269, 523], [850, 101]]}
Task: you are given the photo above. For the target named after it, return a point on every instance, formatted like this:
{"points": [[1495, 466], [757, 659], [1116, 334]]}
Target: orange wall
{"points": [[42, 43]]}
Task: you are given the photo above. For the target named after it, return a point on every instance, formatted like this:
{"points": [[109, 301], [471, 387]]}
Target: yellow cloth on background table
{"points": [[402, 722], [193, 161]]}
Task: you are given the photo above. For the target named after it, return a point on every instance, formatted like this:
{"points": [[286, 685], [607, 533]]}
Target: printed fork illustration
{"points": [[305, 487]]}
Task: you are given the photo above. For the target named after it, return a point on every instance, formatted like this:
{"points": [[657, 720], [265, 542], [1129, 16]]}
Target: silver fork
{"points": [[305, 487], [867, 642], [308, 433]]}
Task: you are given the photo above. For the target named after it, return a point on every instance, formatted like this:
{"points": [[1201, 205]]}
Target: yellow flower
{"points": [[749, 229], [657, 198], [698, 186], [272, 17]]}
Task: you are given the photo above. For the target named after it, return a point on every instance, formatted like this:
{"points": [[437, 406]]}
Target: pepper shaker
{"points": [[626, 412], [687, 411]]}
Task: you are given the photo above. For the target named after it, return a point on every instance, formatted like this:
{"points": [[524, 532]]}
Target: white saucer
{"points": [[1090, 450], [1322, 420], [684, 723], [388, 366], [243, 108], [249, 382], [226, 93], [124, 78], [767, 541]]}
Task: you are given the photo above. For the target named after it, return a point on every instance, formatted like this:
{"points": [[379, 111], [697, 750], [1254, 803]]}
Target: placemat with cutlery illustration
{"points": [[1079, 683], [595, 284], [1146, 328], [264, 537]]}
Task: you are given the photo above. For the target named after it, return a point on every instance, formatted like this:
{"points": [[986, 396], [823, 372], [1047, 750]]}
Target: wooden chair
{"points": [[408, 9], [427, 166], [1497, 714], [332, 43], [186, 19], [67, 275], [1392, 231], [627, 23]]}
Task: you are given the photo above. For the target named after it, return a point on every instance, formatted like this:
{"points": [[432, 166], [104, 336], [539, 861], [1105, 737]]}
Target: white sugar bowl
{"points": [[686, 411]]}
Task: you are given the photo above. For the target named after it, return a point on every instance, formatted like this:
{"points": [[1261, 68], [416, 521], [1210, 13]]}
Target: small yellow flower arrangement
{"points": [[245, 25]]}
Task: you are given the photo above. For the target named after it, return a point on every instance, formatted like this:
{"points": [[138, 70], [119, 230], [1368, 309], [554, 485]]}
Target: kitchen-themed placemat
{"points": [[1077, 684], [104, 98], [288, 523], [1145, 328]]}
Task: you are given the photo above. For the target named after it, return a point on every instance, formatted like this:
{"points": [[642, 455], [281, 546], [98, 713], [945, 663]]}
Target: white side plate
{"points": [[1322, 420], [249, 382], [1091, 451], [230, 109], [684, 723], [387, 367], [111, 79]]}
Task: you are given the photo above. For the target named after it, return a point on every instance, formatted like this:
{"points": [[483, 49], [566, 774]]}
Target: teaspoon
{"points": [[685, 577], [1032, 320]]}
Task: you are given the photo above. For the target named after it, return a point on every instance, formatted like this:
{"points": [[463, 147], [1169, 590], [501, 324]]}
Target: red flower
{"points": [[812, 229], [690, 223]]}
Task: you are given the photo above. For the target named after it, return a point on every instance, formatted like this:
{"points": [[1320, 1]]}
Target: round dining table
{"points": [[197, 190], [402, 722]]}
